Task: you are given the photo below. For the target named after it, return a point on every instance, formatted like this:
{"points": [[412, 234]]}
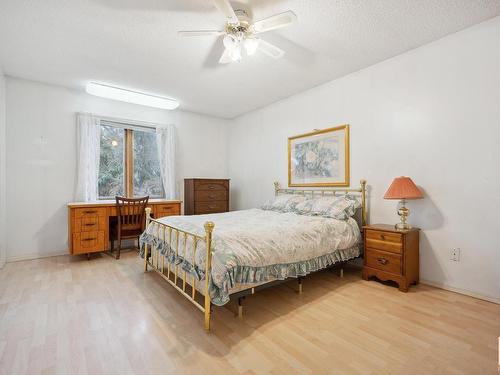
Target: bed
{"points": [[243, 251]]}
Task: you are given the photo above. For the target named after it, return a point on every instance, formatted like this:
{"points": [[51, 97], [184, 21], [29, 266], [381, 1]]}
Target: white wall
{"points": [[2, 172], [432, 114], [41, 157]]}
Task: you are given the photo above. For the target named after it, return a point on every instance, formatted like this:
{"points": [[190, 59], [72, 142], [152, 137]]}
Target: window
{"points": [[147, 178], [128, 163], [111, 163]]}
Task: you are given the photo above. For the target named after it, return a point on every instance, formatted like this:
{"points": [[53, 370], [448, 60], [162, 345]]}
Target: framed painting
{"points": [[320, 158]]}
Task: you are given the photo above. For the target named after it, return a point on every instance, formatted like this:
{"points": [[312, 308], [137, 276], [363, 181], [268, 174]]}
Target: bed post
{"points": [[240, 307], [209, 227], [148, 219], [276, 187], [363, 202]]}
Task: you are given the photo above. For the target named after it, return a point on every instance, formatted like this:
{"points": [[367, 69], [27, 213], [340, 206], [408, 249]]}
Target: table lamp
{"points": [[403, 188]]}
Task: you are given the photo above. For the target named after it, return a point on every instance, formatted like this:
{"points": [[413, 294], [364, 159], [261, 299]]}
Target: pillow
{"points": [[283, 203], [338, 207], [343, 208], [304, 207], [322, 204], [315, 205], [293, 202]]}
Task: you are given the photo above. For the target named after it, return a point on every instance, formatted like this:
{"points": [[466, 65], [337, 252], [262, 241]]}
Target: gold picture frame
{"points": [[328, 151]]}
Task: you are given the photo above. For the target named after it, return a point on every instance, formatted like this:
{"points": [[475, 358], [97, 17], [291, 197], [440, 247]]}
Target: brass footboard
{"points": [[157, 261]]}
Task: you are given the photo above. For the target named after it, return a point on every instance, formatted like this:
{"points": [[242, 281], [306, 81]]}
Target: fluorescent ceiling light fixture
{"points": [[129, 96]]}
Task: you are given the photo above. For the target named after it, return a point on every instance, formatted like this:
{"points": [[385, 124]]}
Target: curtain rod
{"points": [[141, 124]]}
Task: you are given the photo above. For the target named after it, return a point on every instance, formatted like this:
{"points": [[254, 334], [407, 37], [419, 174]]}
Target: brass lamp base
{"points": [[403, 213], [402, 226]]}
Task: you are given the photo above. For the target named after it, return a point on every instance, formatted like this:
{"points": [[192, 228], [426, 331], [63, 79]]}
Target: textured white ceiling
{"points": [[133, 43]]}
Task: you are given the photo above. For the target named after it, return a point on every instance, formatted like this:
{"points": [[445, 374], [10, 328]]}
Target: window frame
{"points": [[128, 170], [128, 155]]}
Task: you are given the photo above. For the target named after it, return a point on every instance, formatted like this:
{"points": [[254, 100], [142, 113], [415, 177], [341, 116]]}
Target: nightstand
{"points": [[391, 254]]}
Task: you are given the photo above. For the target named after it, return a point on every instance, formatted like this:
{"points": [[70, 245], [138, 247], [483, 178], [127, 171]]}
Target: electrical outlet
{"points": [[455, 254]]}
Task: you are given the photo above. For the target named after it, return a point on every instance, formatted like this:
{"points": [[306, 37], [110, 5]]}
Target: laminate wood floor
{"points": [[67, 315]]}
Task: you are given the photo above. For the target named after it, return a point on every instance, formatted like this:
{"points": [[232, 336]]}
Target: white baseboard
{"points": [[19, 258], [466, 292], [447, 287]]}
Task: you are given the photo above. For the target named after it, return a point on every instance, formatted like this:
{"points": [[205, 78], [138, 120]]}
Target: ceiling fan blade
{"points": [[225, 7], [225, 58], [274, 22], [199, 33], [270, 49]]}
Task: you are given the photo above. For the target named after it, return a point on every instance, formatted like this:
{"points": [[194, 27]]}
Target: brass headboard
{"points": [[361, 190]]}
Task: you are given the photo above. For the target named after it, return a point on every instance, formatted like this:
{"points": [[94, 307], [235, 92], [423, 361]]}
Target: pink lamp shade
{"points": [[403, 188]]}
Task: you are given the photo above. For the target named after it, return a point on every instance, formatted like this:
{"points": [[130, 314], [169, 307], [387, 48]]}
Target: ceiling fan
{"points": [[241, 34]]}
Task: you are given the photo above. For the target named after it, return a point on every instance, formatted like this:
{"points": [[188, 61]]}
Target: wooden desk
{"points": [[88, 222]]}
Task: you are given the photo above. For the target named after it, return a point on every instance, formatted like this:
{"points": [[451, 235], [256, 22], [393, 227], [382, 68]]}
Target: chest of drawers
{"points": [[205, 196]]}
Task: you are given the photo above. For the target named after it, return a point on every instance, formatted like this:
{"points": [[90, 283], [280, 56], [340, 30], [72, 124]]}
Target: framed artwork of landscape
{"points": [[320, 158]]}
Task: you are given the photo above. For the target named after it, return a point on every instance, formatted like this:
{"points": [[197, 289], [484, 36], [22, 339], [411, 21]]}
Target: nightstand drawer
{"points": [[383, 261], [384, 236], [385, 246], [386, 241]]}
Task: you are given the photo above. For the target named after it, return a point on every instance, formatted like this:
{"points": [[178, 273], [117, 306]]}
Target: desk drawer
{"points": [[88, 242], [162, 210], [383, 261], [209, 195], [90, 212], [90, 223]]}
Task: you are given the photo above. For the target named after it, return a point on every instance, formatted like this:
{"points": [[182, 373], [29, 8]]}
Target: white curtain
{"points": [[165, 140], [88, 154]]}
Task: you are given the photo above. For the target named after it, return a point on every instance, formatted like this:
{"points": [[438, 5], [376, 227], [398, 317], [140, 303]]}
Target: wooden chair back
{"points": [[131, 213]]}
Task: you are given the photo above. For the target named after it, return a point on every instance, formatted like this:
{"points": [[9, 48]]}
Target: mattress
{"points": [[251, 247]]}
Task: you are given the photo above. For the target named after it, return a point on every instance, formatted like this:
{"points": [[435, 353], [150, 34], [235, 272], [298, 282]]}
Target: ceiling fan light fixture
{"points": [[230, 42], [235, 53], [240, 32], [251, 45]]}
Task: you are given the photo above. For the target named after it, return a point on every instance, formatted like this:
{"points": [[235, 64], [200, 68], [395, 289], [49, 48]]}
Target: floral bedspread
{"points": [[253, 246]]}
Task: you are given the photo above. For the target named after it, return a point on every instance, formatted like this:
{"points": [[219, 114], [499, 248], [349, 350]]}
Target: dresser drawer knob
{"points": [[212, 196], [382, 261], [382, 237], [90, 212], [89, 224], [89, 239]]}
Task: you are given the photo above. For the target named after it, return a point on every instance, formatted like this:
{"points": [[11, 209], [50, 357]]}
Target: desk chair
{"points": [[130, 221]]}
